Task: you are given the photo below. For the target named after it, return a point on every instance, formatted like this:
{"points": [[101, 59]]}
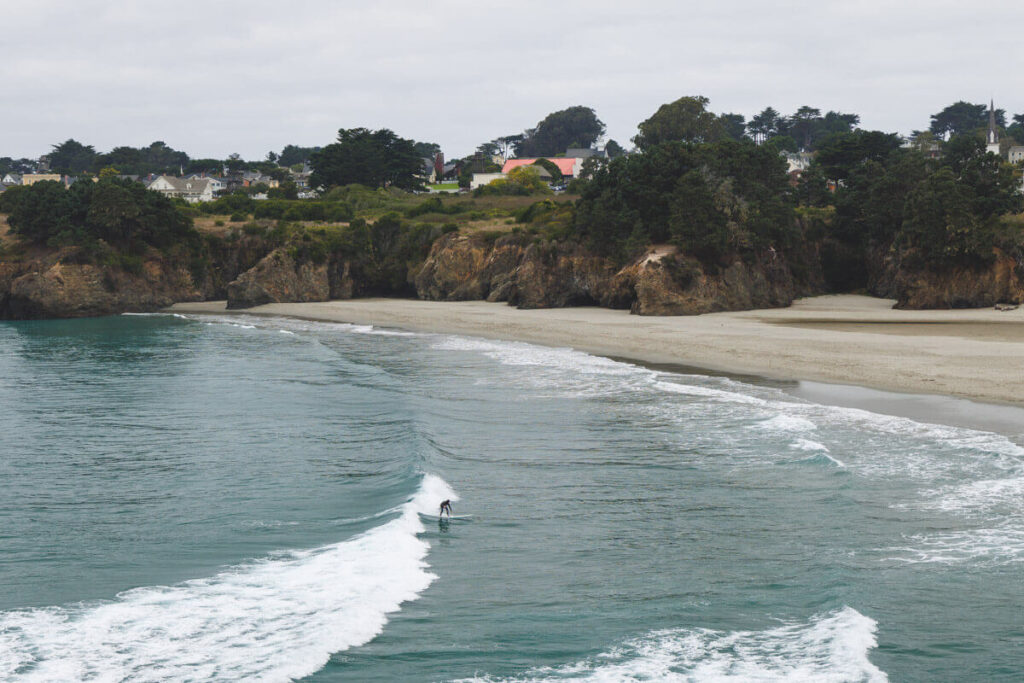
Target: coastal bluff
{"points": [[528, 274], [660, 282], [511, 267]]}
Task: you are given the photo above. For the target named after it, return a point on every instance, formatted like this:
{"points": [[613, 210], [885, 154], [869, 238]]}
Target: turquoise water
{"points": [[239, 499]]}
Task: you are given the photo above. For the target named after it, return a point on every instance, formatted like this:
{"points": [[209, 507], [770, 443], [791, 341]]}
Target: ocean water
{"points": [[239, 498]]}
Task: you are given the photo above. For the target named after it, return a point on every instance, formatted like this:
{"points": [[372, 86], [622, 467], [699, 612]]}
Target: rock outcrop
{"points": [[1000, 282], [677, 285], [279, 278], [54, 289], [531, 274], [470, 267]]}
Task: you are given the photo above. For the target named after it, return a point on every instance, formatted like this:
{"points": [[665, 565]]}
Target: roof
{"points": [[186, 185], [564, 164]]}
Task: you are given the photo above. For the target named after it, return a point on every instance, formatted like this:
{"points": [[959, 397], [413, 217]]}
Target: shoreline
{"points": [[853, 340]]}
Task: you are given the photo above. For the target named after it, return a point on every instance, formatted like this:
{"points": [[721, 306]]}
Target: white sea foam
{"points": [[292, 325], [787, 423], [272, 620], [579, 374], [984, 496], [832, 647], [566, 371], [808, 445], [710, 393], [996, 546]]}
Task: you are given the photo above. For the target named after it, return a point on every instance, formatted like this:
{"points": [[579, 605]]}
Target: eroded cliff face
{"points": [[52, 288], [279, 278], [531, 274], [1000, 282]]}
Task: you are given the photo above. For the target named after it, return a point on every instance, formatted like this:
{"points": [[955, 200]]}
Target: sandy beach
{"points": [[976, 354]]}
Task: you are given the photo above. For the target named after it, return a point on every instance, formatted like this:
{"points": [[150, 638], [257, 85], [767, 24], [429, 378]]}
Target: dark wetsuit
{"points": [[446, 506]]}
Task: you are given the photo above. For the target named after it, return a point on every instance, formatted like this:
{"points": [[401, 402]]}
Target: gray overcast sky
{"points": [[212, 78]]}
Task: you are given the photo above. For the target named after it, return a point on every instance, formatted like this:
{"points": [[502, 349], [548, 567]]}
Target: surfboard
{"points": [[443, 518]]}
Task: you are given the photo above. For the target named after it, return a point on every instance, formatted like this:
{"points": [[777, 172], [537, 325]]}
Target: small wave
{"points": [[709, 393], [832, 647], [566, 371], [808, 445], [822, 459], [276, 619]]}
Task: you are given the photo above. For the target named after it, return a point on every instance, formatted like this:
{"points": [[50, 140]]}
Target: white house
{"points": [[483, 179], [192, 190], [1016, 154], [11, 179]]}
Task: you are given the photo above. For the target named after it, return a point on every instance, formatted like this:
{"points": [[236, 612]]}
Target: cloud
{"points": [[249, 77]]}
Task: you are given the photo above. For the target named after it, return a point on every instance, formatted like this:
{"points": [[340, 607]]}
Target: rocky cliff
{"points": [[1002, 281], [56, 287], [276, 278], [530, 274]]}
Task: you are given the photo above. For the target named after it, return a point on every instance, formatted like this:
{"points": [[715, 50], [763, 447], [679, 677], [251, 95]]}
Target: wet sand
{"points": [[846, 339]]}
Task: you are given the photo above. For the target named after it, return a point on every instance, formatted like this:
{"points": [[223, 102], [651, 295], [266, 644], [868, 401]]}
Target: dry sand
{"points": [[976, 354]]}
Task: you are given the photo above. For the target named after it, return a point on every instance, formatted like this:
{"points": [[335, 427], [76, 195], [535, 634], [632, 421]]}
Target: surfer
{"points": [[446, 506]]}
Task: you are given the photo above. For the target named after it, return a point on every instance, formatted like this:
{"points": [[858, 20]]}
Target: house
{"points": [[429, 172], [250, 178], [569, 166], [192, 190], [11, 179], [1015, 154], [33, 178], [483, 179], [301, 179]]}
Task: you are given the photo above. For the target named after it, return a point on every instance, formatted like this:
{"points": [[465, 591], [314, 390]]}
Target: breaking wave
{"points": [[273, 620]]}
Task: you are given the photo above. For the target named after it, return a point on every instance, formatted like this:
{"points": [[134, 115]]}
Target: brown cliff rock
{"points": [[553, 275], [277, 278], [1000, 282], [470, 267], [668, 283], [64, 290]]}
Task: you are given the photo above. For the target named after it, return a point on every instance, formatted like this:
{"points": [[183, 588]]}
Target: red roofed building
{"points": [[569, 166]]}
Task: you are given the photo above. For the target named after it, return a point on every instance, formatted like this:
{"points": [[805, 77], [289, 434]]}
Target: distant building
{"points": [[192, 190], [569, 166], [797, 162], [1016, 154], [992, 138], [11, 179], [301, 179], [484, 178], [429, 173], [33, 178]]}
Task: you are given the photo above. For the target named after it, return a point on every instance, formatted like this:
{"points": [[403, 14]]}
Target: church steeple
{"points": [[993, 134]]}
